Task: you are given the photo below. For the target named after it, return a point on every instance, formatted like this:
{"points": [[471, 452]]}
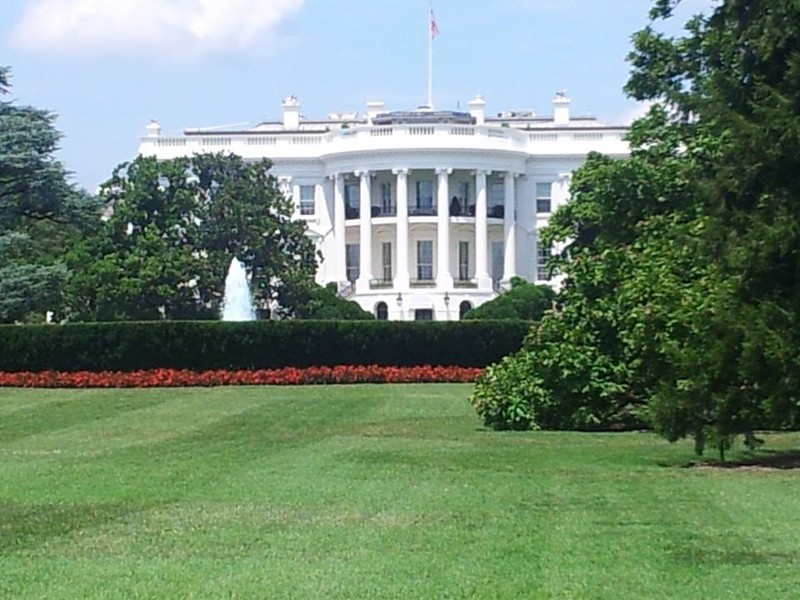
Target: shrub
{"points": [[504, 392], [205, 346]]}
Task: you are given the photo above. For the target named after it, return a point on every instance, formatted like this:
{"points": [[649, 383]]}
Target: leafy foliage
{"points": [[41, 214], [203, 345], [681, 261], [322, 303], [176, 224], [524, 300]]}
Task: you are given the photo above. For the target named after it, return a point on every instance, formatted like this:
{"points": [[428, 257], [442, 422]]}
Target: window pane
{"points": [[543, 254], [306, 199], [463, 261], [425, 260], [543, 200], [352, 258]]}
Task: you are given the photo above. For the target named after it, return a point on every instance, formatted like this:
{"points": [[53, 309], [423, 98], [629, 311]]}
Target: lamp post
{"points": [[447, 305], [399, 301]]}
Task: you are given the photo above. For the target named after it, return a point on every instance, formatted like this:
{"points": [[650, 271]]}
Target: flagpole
{"points": [[430, 70], [430, 57]]}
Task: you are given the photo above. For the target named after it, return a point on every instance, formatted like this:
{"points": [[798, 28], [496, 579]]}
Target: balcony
{"points": [[422, 283], [380, 284], [389, 210], [421, 211], [465, 283], [496, 212]]}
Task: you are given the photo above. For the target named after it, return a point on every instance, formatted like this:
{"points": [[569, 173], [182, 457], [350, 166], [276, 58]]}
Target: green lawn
{"points": [[384, 491]]}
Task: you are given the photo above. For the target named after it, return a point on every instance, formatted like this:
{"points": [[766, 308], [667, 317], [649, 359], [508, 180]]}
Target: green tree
{"points": [[174, 227], [680, 262], [527, 301], [41, 214]]}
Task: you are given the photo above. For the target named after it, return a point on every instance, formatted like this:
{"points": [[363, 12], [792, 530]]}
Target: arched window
{"points": [[381, 311], [463, 309]]}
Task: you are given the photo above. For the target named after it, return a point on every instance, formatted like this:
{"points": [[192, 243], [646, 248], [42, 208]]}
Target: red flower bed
{"points": [[285, 376]]}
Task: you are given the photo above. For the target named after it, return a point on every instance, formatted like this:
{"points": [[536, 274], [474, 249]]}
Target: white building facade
{"points": [[419, 215]]}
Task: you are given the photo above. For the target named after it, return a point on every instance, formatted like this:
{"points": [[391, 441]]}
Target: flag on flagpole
{"points": [[434, 26]]}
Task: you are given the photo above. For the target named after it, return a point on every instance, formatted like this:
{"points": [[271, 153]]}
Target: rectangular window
{"points": [[543, 254], [496, 199], [543, 202], [307, 199], [498, 254], [425, 260], [463, 205], [423, 314], [352, 261], [463, 261], [424, 201], [352, 199], [387, 207], [386, 251]]}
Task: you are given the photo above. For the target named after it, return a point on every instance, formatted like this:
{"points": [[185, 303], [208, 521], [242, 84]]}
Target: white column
{"points": [[365, 237], [339, 231], [481, 232], [401, 277], [444, 279], [510, 228]]}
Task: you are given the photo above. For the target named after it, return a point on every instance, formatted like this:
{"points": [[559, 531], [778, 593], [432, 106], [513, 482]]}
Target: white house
{"points": [[418, 214]]}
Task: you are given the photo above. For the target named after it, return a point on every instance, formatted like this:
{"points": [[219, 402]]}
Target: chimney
{"points": [[153, 129], [291, 113], [561, 108], [373, 110], [476, 109]]}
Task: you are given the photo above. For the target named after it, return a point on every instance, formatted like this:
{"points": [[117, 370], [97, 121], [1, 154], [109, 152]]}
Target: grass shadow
{"points": [[28, 526], [779, 460]]}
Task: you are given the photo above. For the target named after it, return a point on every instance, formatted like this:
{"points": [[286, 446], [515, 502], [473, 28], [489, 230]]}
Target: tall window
{"points": [[424, 204], [352, 258], [496, 200], [543, 200], [425, 260], [463, 261], [386, 252], [352, 198], [498, 252], [387, 202], [466, 205], [306, 199], [543, 254]]}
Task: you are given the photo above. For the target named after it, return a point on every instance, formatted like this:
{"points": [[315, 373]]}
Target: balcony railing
{"points": [[384, 211], [377, 284], [422, 211], [496, 212], [465, 283], [492, 212], [422, 283]]}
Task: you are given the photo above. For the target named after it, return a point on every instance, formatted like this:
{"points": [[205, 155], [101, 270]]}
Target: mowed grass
{"points": [[372, 491]]}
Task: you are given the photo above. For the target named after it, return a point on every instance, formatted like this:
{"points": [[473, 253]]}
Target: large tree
{"points": [[174, 227], [682, 261], [41, 213]]}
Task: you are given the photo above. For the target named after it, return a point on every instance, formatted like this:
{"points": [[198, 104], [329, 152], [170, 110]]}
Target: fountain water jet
{"points": [[237, 303]]}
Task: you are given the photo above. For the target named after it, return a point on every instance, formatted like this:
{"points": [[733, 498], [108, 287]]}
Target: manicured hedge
{"points": [[204, 345]]}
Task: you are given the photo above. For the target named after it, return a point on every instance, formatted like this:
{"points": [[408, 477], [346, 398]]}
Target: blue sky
{"points": [[107, 67]]}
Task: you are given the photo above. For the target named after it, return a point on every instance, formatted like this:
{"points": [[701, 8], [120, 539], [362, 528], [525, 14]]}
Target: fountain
{"points": [[237, 304]]}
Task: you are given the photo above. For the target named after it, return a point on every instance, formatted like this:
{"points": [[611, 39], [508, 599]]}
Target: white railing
{"points": [[262, 140], [589, 137], [396, 136]]}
